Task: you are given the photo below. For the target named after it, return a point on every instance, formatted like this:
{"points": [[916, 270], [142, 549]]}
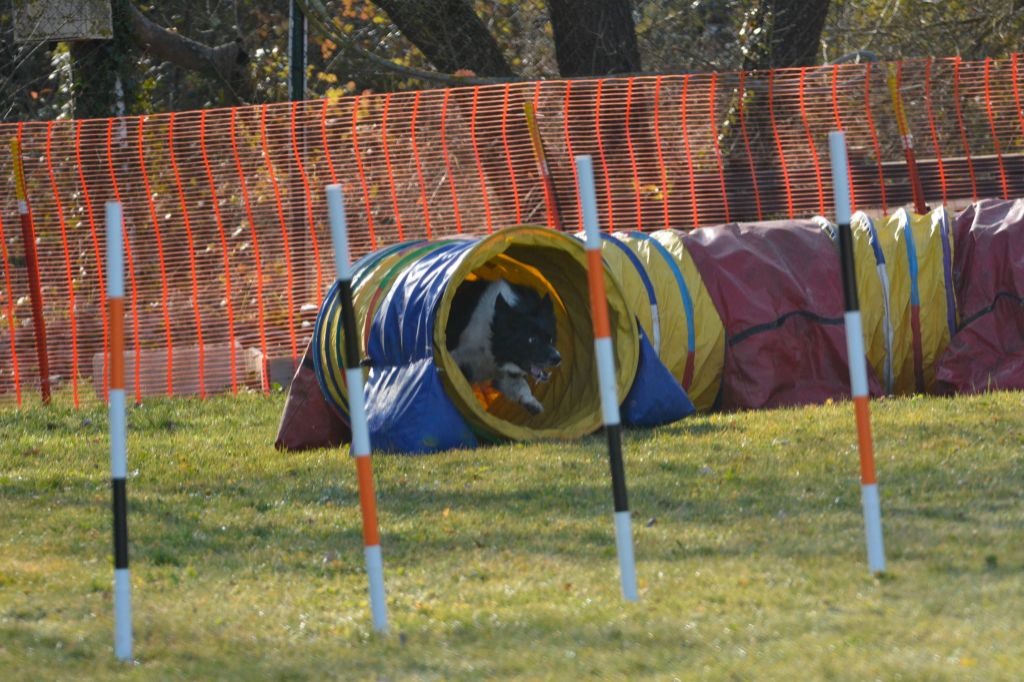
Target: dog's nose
{"points": [[556, 358]]}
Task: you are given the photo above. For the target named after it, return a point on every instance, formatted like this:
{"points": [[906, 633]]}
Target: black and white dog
{"points": [[504, 333]]}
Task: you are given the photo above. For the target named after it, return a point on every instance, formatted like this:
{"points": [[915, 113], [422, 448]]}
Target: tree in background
{"points": [[178, 54]]}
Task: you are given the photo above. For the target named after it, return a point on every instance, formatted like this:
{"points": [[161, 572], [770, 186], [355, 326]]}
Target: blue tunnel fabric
{"points": [[640, 269], [684, 291], [656, 397], [407, 406]]}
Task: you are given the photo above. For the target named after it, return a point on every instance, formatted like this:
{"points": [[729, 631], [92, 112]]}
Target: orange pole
{"points": [[28, 237]]}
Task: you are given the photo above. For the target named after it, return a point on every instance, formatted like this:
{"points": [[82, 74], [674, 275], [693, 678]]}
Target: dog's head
{"points": [[523, 332]]}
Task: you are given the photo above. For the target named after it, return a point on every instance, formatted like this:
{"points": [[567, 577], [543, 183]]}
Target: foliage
{"points": [[892, 30], [500, 562], [673, 36]]}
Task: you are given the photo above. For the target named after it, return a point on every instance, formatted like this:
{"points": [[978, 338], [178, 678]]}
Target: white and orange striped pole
{"points": [[855, 356], [360, 447], [118, 432], [606, 376]]}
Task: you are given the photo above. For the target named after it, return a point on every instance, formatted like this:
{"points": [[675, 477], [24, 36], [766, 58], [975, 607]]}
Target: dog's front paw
{"points": [[532, 406]]}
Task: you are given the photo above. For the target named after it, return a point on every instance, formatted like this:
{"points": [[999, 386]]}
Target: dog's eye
{"points": [[532, 340]]}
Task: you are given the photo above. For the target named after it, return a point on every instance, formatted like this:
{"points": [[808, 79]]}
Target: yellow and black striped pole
{"points": [[606, 377], [855, 356], [118, 432]]}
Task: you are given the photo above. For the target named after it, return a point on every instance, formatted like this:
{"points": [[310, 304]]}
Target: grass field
{"points": [[500, 562]]}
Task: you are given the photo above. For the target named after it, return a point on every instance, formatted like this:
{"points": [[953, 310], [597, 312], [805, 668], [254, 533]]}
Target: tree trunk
{"points": [[594, 37], [449, 34], [94, 76], [788, 33], [99, 70]]}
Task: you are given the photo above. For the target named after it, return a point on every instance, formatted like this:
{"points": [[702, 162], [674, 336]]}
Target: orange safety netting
{"points": [[228, 251]]}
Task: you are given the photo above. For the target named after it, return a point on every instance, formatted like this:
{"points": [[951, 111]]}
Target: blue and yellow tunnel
{"points": [[417, 398]]}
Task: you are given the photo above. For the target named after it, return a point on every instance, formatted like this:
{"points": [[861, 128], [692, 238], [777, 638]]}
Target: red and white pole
{"points": [[855, 355], [606, 376], [35, 289], [543, 169], [118, 432], [360, 447], [906, 137]]}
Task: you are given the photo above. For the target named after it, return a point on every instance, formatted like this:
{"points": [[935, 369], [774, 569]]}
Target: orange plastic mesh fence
{"points": [[228, 251]]}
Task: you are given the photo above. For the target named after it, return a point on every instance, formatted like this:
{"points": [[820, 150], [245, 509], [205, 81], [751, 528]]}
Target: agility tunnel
{"points": [[417, 398], [777, 290], [672, 305], [906, 290], [987, 353], [736, 316], [750, 315]]}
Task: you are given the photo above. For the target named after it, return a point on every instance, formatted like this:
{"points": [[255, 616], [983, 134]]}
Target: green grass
{"points": [[500, 563]]}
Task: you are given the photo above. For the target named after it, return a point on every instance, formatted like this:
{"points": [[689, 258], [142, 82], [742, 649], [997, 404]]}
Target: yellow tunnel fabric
{"points": [[633, 289], [673, 349], [672, 317], [904, 286], [871, 271], [553, 262], [934, 249], [708, 328], [918, 251], [899, 304], [873, 291]]}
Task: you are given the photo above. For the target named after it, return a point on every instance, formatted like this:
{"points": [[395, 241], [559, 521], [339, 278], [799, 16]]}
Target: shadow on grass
{"points": [[292, 520]]}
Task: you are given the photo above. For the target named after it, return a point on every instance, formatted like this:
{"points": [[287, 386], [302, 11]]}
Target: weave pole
{"points": [[35, 289], [855, 356], [360, 447], [906, 137], [606, 376], [543, 169], [118, 432]]}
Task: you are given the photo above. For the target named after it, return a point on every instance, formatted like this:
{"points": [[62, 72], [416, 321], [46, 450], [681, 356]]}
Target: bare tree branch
{"points": [[223, 61], [318, 15], [450, 34]]}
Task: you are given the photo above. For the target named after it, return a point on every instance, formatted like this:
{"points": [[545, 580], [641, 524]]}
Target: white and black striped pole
{"points": [[118, 432], [360, 447], [606, 376], [855, 354]]}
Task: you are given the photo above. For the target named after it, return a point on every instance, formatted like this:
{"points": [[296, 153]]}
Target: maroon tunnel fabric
{"points": [[777, 289], [987, 353], [308, 421]]}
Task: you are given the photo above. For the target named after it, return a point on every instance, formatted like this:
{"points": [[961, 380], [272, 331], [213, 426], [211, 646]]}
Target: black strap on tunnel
{"points": [[775, 324], [847, 267], [348, 321]]}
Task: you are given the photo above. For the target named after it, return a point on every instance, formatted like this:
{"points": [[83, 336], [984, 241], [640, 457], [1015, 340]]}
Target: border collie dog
{"points": [[504, 333]]}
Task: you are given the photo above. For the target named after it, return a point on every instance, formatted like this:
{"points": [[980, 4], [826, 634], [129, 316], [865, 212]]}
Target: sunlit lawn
{"points": [[247, 563]]}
